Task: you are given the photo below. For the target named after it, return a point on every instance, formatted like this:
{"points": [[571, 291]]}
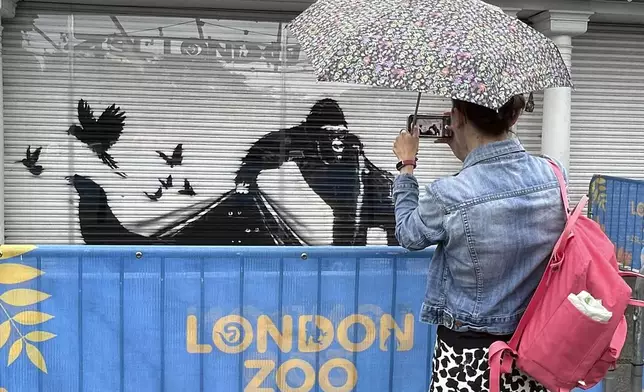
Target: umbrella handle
{"points": [[413, 125]]}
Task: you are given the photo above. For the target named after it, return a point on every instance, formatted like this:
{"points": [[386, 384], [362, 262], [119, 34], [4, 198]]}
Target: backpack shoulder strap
{"points": [[500, 359], [631, 274]]}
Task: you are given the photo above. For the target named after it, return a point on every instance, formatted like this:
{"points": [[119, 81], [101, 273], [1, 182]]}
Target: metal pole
{"points": [[638, 344], [609, 384]]}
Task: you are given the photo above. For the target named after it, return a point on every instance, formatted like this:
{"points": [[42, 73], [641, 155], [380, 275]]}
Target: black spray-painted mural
{"points": [[328, 156], [144, 132]]}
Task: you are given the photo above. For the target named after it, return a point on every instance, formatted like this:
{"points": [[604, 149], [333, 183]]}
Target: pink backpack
{"points": [[555, 343]]}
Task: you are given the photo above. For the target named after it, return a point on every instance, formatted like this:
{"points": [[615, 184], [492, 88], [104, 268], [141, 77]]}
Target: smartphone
{"points": [[431, 126]]}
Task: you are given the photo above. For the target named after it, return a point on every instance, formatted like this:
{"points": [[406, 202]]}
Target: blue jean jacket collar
{"points": [[492, 150]]}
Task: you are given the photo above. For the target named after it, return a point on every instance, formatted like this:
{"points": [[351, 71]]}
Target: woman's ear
{"points": [[458, 118], [517, 114]]}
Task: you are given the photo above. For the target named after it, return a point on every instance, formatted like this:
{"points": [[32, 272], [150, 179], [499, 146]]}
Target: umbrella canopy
{"points": [[462, 49]]}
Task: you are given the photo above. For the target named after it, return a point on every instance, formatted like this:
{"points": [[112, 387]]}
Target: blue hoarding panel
{"points": [[617, 204], [155, 319]]}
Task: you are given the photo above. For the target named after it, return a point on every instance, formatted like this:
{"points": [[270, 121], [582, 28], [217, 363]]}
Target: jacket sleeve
{"points": [[419, 220]]}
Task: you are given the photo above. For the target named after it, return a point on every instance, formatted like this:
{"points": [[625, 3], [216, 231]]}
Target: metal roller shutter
{"points": [[607, 133], [216, 86]]}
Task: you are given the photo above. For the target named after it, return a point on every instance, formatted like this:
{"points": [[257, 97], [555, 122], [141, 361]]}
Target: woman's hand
{"points": [[406, 145]]}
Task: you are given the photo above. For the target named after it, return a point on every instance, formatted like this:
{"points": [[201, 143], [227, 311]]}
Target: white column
{"points": [[561, 27], [7, 10]]}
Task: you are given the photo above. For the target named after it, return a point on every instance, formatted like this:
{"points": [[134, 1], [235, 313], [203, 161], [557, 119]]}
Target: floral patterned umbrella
{"points": [[462, 49]]}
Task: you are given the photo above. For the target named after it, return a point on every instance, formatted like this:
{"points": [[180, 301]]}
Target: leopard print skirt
{"points": [[459, 369]]}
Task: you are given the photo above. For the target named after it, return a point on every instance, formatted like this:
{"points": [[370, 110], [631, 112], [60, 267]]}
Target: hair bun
{"points": [[511, 110]]}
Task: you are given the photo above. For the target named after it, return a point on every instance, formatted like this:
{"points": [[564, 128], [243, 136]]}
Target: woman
{"points": [[495, 224]]}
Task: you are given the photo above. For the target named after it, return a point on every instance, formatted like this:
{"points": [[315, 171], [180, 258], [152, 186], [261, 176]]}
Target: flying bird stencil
{"points": [[187, 189], [99, 135], [156, 195], [167, 184], [177, 156], [30, 161]]}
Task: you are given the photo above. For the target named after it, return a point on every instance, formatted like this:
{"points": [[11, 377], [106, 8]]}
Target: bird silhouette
{"points": [[30, 161], [187, 189], [156, 196], [167, 184], [177, 156], [99, 135]]}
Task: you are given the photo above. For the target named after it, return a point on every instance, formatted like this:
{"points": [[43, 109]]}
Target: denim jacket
{"points": [[495, 224]]}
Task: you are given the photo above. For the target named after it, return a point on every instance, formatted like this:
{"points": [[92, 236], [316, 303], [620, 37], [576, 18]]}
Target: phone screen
{"points": [[431, 126]]}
